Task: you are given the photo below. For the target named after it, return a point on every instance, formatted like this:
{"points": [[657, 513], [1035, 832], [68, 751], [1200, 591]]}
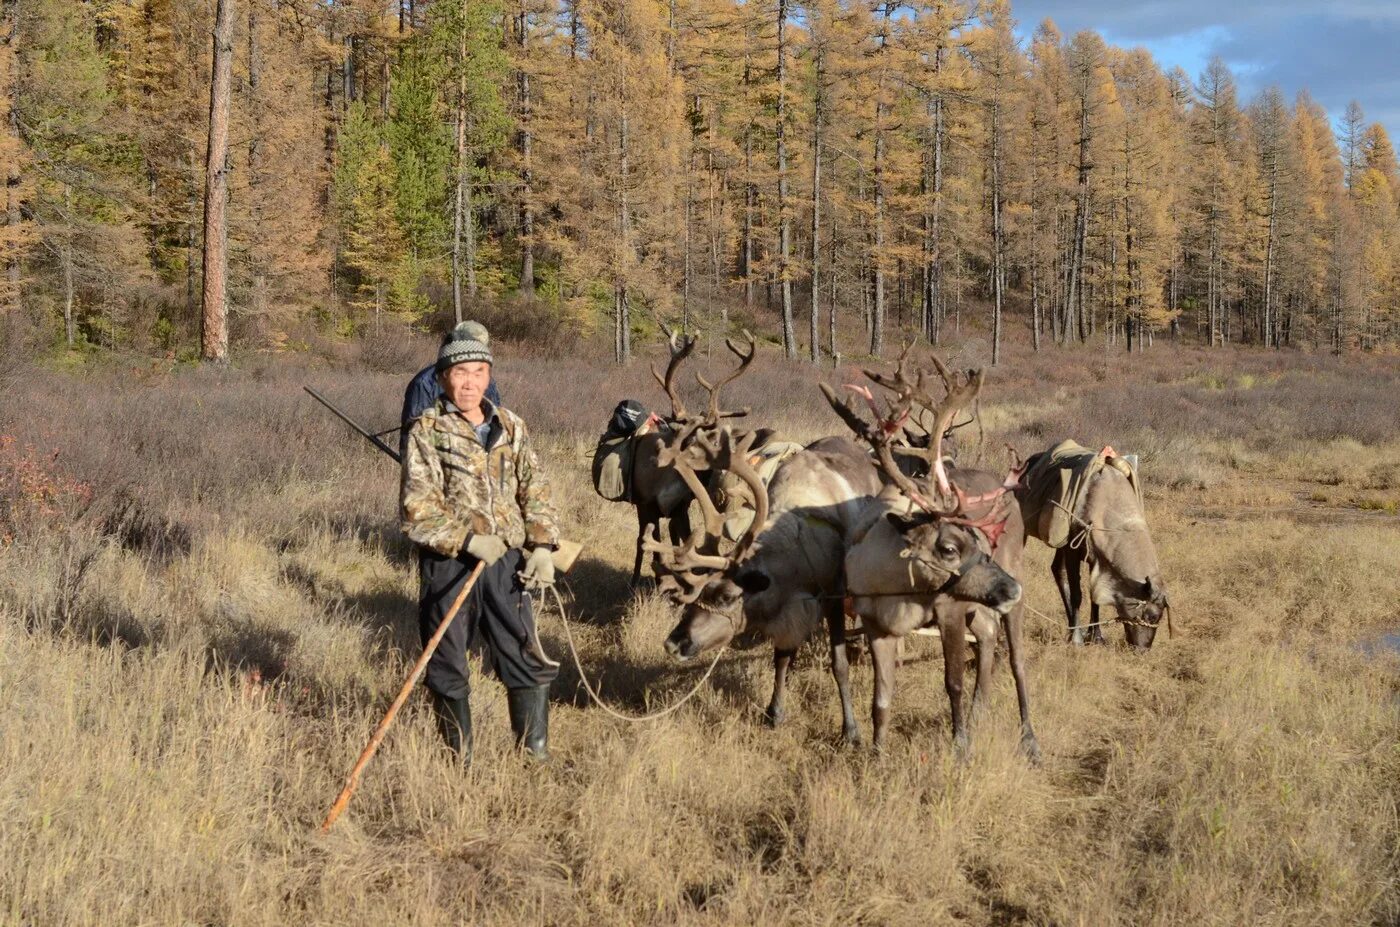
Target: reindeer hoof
{"points": [[774, 716], [1031, 748], [850, 736]]}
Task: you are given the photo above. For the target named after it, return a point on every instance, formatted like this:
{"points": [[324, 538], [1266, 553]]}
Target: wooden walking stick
{"points": [[353, 782]]}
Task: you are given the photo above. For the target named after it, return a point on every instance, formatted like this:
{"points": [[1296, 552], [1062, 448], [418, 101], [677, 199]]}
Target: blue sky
{"points": [[1339, 50]]}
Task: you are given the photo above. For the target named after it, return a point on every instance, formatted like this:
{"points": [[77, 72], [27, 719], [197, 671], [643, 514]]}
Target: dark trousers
{"points": [[496, 622]]}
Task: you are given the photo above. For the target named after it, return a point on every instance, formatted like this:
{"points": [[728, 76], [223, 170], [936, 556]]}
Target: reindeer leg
{"points": [[951, 624], [984, 627], [1073, 564], [679, 525], [841, 669], [647, 516], [1060, 571], [775, 713], [1017, 657], [1066, 569], [882, 650], [1095, 626]]}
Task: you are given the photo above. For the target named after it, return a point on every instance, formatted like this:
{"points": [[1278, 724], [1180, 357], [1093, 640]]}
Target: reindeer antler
{"points": [[961, 390], [745, 359], [880, 435], [700, 443], [682, 346]]}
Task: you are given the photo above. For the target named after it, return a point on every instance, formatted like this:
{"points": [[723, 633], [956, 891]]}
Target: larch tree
{"points": [[214, 303], [1052, 198], [1144, 194], [618, 221], [82, 197], [1089, 88], [1214, 146], [276, 215], [481, 127], [18, 233], [1001, 76]]}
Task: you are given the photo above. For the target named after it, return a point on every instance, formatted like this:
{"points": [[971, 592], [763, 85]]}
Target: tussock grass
{"points": [[191, 659]]}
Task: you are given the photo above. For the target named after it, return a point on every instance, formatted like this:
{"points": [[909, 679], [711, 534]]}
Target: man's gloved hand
{"points": [[486, 547], [539, 569]]}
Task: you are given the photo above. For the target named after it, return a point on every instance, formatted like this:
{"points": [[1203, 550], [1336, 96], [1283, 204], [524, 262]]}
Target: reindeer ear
{"points": [[753, 581], [761, 438], [1154, 592]]}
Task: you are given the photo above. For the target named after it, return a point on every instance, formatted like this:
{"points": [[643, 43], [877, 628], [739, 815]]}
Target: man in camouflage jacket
{"points": [[473, 491]]}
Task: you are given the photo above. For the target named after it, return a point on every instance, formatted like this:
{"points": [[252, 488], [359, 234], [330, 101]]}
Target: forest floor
{"points": [[205, 606]]}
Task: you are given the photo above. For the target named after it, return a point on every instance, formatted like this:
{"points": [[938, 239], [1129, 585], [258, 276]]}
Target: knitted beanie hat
{"points": [[469, 341]]}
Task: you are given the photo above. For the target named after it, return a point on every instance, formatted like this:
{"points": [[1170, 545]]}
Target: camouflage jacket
{"points": [[454, 486]]}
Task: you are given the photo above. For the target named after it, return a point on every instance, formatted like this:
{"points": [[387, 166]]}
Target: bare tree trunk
{"points": [[998, 239], [461, 204], [933, 257], [527, 207], [749, 198], [716, 256], [1074, 288], [831, 283], [623, 346], [65, 255], [1270, 334], [687, 261], [784, 220], [1035, 301], [255, 177], [9, 16], [877, 318], [815, 351], [214, 308]]}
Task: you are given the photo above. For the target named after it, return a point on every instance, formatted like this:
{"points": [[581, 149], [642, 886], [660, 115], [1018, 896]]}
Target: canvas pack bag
{"points": [[1055, 482], [612, 456]]}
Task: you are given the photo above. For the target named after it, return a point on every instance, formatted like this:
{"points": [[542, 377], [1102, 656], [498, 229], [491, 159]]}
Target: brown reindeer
{"points": [[1086, 504], [657, 490], [783, 578], [922, 556], [786, 577]]}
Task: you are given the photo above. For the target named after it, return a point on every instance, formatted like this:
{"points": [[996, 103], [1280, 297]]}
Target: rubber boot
{"points": [[454, 717], [529, 719]]}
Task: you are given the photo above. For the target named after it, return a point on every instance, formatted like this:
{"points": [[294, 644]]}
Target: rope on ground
{"points": [[598, 700]]}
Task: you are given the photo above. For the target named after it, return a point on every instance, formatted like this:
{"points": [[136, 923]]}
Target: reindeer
{"points": [[783, 577], [906, 570], [1107, 528], [657, 489]]}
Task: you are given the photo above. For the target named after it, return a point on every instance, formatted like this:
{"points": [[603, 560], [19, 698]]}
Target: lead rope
{"points": [[597, 699]]}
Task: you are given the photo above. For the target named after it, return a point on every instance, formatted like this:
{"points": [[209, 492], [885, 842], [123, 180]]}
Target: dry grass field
{"points": [[205, 606]]}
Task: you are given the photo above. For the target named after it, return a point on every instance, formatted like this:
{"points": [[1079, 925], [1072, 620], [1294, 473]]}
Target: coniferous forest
{"points": [[183, 176]]}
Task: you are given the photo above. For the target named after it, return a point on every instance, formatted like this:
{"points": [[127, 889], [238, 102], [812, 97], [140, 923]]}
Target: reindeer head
{"points": [[945, 556], [944, 505], [1142, 612]]}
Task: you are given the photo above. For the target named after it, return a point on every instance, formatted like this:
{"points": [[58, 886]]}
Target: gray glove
{"points": [[539, 569], [486, 547]]}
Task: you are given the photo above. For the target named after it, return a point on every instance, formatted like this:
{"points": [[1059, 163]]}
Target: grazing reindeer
{"points": [[1087, 506], [784, 575], [907, 571], [657, 489]]}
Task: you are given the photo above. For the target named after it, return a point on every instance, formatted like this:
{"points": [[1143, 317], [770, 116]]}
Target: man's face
{"points": [[465, 384]]}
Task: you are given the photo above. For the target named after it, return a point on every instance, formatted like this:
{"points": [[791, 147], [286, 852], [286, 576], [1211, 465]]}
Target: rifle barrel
{"points": [[364, 432]]}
